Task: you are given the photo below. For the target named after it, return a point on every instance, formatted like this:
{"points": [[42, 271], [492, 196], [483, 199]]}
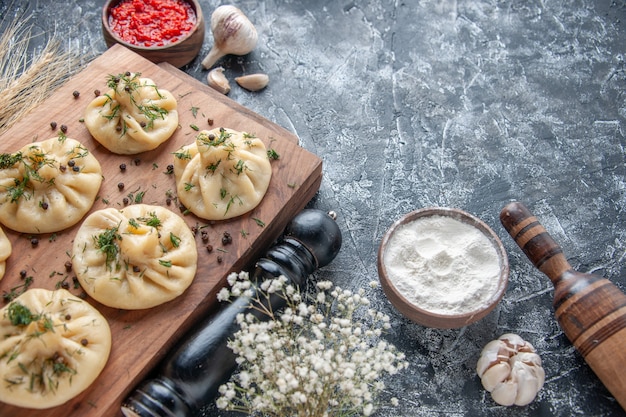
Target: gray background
{"points": [[466, 104]]}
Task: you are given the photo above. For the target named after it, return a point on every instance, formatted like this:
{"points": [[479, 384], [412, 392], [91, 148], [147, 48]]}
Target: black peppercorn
{"points": [[62, 168], [53, 125], [210, 122], [76, 94], [68, 266], [76, 168], [120, 186], [71, 162], [64, 128], [65, 285], [23, 273], [136, 269], [125, 201], [68, 317], [226, 238], [209, 248], [122, 167], [137, 161], [219, 259], [34, 241], [168, 201], [44, 205], [84, 342], [96, 93]]}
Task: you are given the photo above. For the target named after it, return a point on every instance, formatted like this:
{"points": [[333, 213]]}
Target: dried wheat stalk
{"points": [[26, 81]]}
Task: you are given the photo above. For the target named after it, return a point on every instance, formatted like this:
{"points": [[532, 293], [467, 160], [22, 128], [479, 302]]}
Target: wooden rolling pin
{"points": [[590, 309]]}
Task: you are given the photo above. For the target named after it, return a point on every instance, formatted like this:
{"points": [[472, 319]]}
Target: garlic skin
{"points": [[218, 81], [510, 369], [253, 82], [233, 33]]}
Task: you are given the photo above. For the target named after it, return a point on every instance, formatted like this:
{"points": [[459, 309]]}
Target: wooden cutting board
{"points": [[141, 338]]}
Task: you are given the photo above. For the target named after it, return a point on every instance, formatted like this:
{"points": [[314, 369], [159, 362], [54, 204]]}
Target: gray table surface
{"points": [[466, 104]]}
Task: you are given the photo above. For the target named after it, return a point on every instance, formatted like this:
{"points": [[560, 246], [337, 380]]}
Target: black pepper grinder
{"points": [[191, 375]]}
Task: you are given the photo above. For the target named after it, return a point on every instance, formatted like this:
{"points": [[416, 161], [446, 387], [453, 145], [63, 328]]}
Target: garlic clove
{"points": [[233, 33], [526, 383], [540, 374], [253, 82], [489, 356], [494, 375], [515, 342], [528, 358], [218, 81], [505, 393]]}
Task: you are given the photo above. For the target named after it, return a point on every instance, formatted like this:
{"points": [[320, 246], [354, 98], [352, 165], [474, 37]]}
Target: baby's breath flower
{"points": [[223, 295], [312, 358]]}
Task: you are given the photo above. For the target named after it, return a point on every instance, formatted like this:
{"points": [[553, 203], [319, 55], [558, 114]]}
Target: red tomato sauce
{"points": [[152, 22]]}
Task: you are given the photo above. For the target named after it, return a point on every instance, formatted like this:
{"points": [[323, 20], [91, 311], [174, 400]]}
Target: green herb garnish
{"points": [[20, 315], [152, 220], [183, 155], [272, 154], [106, 242], [175, 240]]}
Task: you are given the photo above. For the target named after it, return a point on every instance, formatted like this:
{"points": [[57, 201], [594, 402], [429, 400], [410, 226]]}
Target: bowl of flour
{"points": [[442, 267]]}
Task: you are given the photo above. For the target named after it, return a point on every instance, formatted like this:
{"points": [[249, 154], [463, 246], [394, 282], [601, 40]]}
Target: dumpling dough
{"points": [[53, 345], [134, 258], [5, 251], [133, 116], [223, 174], [48, 186]]}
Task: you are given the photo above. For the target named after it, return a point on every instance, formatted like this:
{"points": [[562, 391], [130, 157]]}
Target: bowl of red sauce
{"points": [[160, 30]]}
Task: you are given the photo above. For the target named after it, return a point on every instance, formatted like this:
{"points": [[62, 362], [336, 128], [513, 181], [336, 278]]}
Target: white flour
{"points": [[442, 265]]}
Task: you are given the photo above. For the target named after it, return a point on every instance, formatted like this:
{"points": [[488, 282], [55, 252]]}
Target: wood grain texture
{"points": [[141, 338]]}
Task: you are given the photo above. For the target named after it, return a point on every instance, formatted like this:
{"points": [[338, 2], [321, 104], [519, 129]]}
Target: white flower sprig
{"points": [[309, 359]]}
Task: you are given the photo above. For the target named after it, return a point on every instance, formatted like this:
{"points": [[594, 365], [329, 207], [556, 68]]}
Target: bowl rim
{"points": [[469, 219], [199, 25]]}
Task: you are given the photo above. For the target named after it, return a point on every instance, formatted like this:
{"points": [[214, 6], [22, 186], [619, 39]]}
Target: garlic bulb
{"points": [[511, 370], [218, 80], [253, 82], [233, 34]]}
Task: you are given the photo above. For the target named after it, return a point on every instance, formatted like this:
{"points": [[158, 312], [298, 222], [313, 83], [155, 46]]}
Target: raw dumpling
{"points": [[223, 174], [134, 258], [53, 345], [133, 116], [5, 251], [48, 186]]}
